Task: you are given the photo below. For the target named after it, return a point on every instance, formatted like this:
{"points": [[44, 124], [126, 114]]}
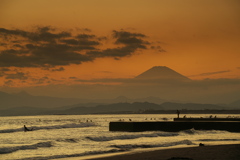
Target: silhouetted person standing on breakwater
{"points": [[178, 113]]}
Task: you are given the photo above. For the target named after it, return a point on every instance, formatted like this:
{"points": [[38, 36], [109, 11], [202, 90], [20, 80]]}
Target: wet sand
{"points": [[215, 152]]}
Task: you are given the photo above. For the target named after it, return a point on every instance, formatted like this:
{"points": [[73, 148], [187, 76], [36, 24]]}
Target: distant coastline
{"points": [[183, 113]]}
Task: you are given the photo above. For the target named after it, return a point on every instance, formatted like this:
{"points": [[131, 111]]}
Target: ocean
{"points": [[63, 136]]}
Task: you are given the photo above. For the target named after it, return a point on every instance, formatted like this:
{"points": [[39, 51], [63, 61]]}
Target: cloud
{"points": [[210, 73], [72, 77], [83, 29], [131, 42], [130, 39], [58, 69], [17, 75], [48, 47], [41, 34], [85, 36], [158, 48], [42, 80], [4, 69], [105, 72], [8, 83], [105, 80]]}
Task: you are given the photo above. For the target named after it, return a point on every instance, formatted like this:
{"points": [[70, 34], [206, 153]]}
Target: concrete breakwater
{"points": [[175, 126], [206, 119]]}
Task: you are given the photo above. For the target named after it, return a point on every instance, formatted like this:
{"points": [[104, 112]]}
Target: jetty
{"points": [[206, 119], [178, 124]]}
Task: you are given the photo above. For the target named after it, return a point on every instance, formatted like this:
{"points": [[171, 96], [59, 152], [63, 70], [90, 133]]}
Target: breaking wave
{"points": [[71, 125], [218, 139], [120, 148], [132, 136], [5, 150], [132, 146], [69, 140], [193, 131]]}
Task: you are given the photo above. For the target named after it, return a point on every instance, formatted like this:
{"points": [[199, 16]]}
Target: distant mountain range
{"points": [[25, 99], [159, 81], [121, 108]]}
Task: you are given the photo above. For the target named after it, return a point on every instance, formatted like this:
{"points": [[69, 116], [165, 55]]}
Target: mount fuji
{"points": [[161, 73]]}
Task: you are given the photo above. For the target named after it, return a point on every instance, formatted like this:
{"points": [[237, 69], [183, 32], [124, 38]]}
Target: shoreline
{"points": [[208, 152]]}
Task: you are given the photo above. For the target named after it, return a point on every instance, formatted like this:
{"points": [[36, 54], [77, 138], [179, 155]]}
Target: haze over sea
{"points": [[62, 136]]}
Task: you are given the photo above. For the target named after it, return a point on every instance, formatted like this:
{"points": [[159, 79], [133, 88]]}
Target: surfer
{"points": [[26, 129]]}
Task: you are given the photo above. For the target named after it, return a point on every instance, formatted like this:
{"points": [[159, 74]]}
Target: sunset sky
{"points": [[68, 42]]}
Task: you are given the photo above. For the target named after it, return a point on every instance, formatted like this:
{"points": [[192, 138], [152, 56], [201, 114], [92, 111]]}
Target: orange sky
{"points": [[199, 39]]}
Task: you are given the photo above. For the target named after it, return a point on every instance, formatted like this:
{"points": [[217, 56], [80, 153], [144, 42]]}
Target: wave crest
{"points": [[71, 125], [193, 131], [130, 146], [218, 140], [131, 136], [25, 147]]}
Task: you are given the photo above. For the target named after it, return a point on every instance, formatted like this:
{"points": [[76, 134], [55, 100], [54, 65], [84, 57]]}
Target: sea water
{"points": [[62, 136]]}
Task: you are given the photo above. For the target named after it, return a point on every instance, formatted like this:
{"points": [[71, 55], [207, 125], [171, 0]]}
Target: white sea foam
{"points": [[193, 131], [120, 148], [133, 146], [132, 136], [25, 147]]}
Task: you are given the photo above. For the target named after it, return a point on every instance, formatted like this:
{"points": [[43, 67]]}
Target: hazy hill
{"points": [[190, 106], [136, 107], [24, 111], [235, 104], [117, 107], [107, 108], [25, 99]]}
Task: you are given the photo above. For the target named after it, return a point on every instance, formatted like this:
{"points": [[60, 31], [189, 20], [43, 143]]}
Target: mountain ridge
{"points": [[161, 73], [121, 108]]}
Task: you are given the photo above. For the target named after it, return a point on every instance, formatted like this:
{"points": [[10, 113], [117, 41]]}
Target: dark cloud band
{"points": [[49, 47]]}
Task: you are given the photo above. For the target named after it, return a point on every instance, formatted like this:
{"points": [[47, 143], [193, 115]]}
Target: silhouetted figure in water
{"points": [[178, 113], [201, 144], [26, 129]]}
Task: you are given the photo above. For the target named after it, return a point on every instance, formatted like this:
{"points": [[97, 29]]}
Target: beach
{"points": [[215, 152]]}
